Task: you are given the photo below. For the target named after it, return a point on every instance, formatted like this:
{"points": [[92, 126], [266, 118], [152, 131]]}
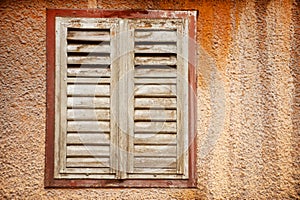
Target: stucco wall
{"points": [[248, 100]]}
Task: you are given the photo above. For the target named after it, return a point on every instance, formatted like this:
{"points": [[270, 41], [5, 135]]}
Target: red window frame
{"points": [[50, 181]]}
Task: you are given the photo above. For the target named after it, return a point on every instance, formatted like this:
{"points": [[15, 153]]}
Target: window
{"points": [[120, 98]]}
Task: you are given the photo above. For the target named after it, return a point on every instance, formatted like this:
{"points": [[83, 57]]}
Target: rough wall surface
{"points": [[248, 100]]}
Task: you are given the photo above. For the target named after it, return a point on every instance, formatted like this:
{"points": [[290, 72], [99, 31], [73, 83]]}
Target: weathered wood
{"points": [[100, 60], [89, 35], [155, 90], [155, 81], [154, 150], [90, 23], [163, 72], [155, 127], [88, 162], [130, 98], [148, 173], [88, 80], [89, 48], [154, 173], [88, 114], [169, 103], [87, 151], [154, 138], [62, 96], [88, 102], [152, 114], [114, 98], [156, 24], [162, 60], [88, 138], [88, 90], [153, 163], [182, 105], [155, 48], [155, 36], [87, 171], [88, 126], [81, 177], [94, 72]]}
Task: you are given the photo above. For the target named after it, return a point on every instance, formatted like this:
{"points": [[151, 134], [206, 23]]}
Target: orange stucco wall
{"points": [[248, 100]]}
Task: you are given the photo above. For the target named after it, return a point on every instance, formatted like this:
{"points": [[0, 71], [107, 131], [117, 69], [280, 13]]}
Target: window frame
{"points": [[50, 181]]}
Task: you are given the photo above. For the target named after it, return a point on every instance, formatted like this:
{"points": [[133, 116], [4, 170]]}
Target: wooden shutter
{"points": [[121, 98], [158, 128], [85, 141]]}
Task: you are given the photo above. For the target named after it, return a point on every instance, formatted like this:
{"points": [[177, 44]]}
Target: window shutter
{"points": [[85, 75], [158, 115]]}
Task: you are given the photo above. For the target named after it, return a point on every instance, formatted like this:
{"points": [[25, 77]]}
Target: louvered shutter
{"points": [[85, 146], [121, 98], [158, 112]]}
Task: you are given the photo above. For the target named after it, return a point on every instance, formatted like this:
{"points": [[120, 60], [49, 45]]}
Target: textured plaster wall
{"points": [[248, 100]]}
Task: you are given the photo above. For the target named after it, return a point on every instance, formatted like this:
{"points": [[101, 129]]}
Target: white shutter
{"points": [[85, 126], [159, 137], [121, 99]]}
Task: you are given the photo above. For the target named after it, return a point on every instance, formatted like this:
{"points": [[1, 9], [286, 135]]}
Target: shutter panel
{"points": [[158, 140], [85, 145]]}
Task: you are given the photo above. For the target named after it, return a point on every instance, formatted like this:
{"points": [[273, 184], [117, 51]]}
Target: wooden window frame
{"points": [[50, 181]]}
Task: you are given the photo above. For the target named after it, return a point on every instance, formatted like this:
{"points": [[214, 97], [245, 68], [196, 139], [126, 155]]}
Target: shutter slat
{"points": [[88, 90], [155, 103], [88, 102], [88, 72], [155, 163], [89, 48], [162, 60], [155, 48], [155, 80], [88, 114], [88, 126], [100, 60], [89, 80], [89, 35], [155, 36], [87, 162], [155, 114], [152, 173], [154, 138], [88, 150], [155, 90], [154, 151], [163, 72], [155, 127], [87, 171], [88, 138]]}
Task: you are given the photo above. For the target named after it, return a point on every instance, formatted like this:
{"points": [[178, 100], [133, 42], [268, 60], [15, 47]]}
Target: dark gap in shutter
{"points": [[158, 132], [88, 144], [154, 120], [102, 132], [155, 108], [140, 132], [154, 43], [88, 54], [88, 29], [88, 66], [90, 120], [86, 156], [155, 66], [154, 54], [95, 43]]}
